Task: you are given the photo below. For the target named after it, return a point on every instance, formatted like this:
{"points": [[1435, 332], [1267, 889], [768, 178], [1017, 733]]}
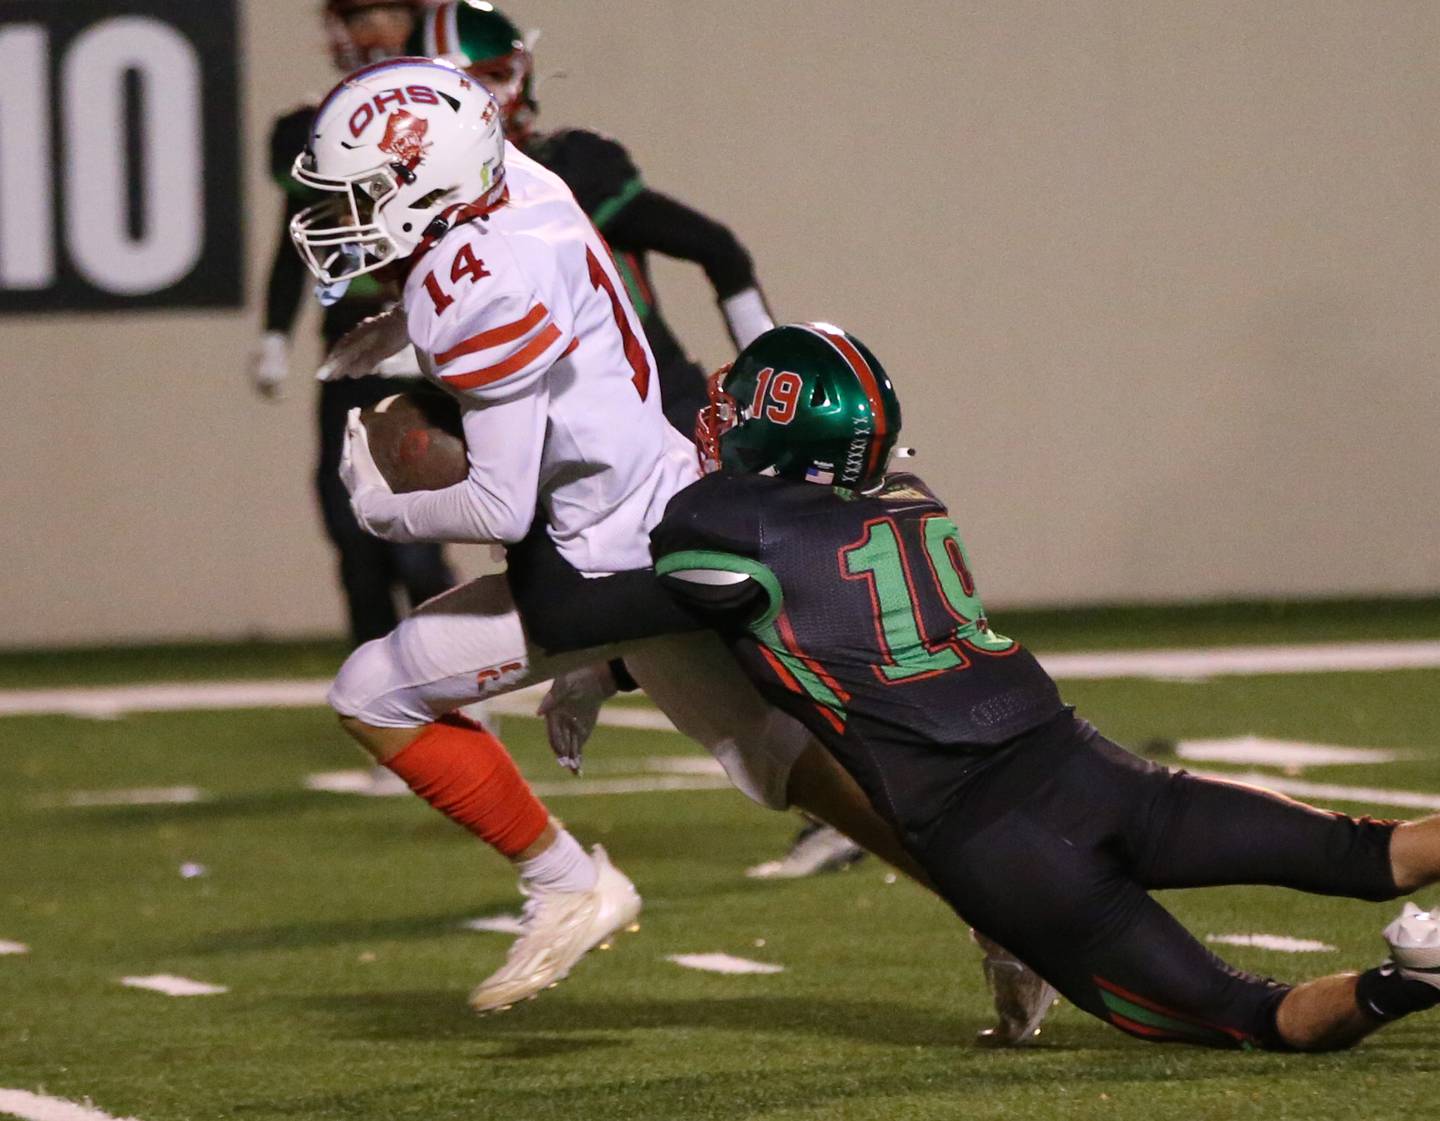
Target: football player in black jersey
{"points": [[847, 595], [360, 31]]}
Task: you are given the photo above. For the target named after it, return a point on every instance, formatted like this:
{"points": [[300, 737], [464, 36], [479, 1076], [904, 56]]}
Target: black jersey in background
{"points": [[636, 221], [370, 570], [289, 278]]}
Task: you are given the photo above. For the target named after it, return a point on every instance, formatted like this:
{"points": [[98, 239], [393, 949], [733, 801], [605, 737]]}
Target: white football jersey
{"points": [[522, 314]]}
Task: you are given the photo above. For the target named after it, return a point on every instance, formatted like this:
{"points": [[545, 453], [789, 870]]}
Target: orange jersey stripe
{"points": [[789, 681], [517, 361], [787, 636], [495, 336]]}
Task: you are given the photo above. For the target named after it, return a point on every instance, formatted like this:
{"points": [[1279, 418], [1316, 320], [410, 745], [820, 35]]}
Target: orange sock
{"points": [[466, 774]]}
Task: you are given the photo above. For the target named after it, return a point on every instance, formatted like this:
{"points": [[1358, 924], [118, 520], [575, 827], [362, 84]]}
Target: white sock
{"points": [[564, 866]]}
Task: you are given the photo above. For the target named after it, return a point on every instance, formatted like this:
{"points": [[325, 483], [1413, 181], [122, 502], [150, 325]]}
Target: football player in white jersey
{"points": [[512, 300]]}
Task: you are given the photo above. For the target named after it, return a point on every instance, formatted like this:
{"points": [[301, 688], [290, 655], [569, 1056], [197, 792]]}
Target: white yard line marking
{"points": [[1189, 665], [653, 784], [496, 924], [171, 985], [1282, 943], [1409, 799], [13, 947], [1222, 661], [141, 796], [684, 765], [666, 772], [641, 719], [42, 1107], [112, 701], [723, 963], [365, 783], [1261, 752]]}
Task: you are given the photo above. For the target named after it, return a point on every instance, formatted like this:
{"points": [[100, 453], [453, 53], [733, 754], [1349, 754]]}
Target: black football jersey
{"points": [[861, 618], [289, 277], [604, 180]]}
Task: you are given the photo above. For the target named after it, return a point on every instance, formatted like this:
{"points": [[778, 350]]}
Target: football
{"points": [[416, 441]]}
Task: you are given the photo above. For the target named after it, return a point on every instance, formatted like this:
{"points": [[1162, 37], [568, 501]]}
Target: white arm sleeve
{"points": [[497, 502], [747, 316]]}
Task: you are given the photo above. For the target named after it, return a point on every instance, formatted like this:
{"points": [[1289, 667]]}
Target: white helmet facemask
{"points": [[396, 144]]}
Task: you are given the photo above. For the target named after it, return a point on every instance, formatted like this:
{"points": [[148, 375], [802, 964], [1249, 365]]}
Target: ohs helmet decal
{"points": [[405, 138]]}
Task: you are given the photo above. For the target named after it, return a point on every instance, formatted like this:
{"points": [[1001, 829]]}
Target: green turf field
{"points": [[335, 923]]}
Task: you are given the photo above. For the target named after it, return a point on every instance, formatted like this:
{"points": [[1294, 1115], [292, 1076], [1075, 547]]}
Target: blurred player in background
{"points": [[371, 570], [636, 220]]}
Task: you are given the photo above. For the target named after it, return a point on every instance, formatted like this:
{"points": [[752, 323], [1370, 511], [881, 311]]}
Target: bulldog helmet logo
{"points": [[405, 138]]}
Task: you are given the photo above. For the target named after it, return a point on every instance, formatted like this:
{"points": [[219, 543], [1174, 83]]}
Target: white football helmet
{"points": [[400, 143]]}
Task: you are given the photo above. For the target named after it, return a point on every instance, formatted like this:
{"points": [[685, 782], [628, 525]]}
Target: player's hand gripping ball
{"points": [[416, 441]]}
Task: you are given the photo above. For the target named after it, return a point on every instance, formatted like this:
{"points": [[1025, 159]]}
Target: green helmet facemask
{"points": [[805, 401]]}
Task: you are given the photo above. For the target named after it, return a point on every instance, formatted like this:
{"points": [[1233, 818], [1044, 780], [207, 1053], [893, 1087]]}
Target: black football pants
{"points": [[1052, 846]]}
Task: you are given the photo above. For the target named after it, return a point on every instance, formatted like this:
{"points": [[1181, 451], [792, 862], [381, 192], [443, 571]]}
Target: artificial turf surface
{"points": [[335, 922]]}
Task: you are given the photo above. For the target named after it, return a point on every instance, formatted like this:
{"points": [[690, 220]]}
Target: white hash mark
{"points": [[171, 985], [723, 963], [140, 796], [496, 924], [1280, 942], [41, 1107]]}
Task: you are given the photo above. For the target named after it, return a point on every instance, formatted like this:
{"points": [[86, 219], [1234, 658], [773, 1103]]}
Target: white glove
{"points": [[359, 473], [746, 316], [367, 345], [571, 708], [270, 364]]}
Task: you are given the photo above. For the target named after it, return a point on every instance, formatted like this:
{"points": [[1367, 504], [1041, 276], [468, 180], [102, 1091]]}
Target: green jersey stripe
{"points": [[617, 202]]}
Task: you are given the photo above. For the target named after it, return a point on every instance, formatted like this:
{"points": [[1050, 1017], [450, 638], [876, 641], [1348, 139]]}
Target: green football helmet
{"points": [[477, 37], [805, 401]]}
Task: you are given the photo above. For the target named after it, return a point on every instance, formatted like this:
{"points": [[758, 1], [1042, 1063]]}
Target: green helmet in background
{"points": [[477, 37], [805, 401]]}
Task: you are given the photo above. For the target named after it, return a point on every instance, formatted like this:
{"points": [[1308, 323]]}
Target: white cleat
{"points": [[817, 848], [561, 927], [1022, 997], [1414, 940]]}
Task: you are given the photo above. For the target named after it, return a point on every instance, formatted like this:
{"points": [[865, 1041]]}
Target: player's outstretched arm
{"points": [[652, 221], [269, 363]]}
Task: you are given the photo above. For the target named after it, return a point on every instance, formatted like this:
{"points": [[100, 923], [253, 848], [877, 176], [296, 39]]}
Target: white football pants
{"points": [[468, 645]]}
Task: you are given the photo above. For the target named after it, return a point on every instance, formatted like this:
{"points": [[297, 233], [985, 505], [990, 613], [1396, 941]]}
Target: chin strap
{"points": [[457, 215]]}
